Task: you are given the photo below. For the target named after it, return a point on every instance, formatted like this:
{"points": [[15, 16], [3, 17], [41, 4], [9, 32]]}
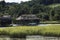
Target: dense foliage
{"points": [[44, 9]]}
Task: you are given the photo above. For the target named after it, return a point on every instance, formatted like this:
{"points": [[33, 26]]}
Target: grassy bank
{"points": [[50, 22], [22, 31]]}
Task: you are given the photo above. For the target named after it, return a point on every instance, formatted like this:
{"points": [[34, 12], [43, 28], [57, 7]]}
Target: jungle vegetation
{"points": [[46, 10]]}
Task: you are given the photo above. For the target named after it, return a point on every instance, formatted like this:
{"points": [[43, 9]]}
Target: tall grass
{"points": [[22, 31]]}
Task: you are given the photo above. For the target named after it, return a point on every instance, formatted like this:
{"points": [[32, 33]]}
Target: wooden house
{"points": [[5, 20], [28, 19]]}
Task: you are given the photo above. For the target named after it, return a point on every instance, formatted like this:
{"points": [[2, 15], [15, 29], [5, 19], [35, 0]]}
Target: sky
{"points": [[17, 1]]}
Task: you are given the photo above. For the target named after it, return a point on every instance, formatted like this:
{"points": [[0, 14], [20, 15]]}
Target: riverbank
{"points": [[23, 31]]}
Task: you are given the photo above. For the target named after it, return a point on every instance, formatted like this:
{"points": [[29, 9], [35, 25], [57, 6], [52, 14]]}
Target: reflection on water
{"points": [[30, 38], [4, 37], [12, 39]]}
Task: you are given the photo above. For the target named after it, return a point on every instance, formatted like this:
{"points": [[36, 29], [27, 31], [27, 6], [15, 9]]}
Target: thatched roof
{"points": [[27, 17]]}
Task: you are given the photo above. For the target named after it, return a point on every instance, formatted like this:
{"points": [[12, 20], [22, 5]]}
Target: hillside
{"points": [[46, 10], [53, 5]]}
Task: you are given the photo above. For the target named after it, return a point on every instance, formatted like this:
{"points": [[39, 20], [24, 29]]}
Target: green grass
{"points": [[51, 22], [22, 31]]}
